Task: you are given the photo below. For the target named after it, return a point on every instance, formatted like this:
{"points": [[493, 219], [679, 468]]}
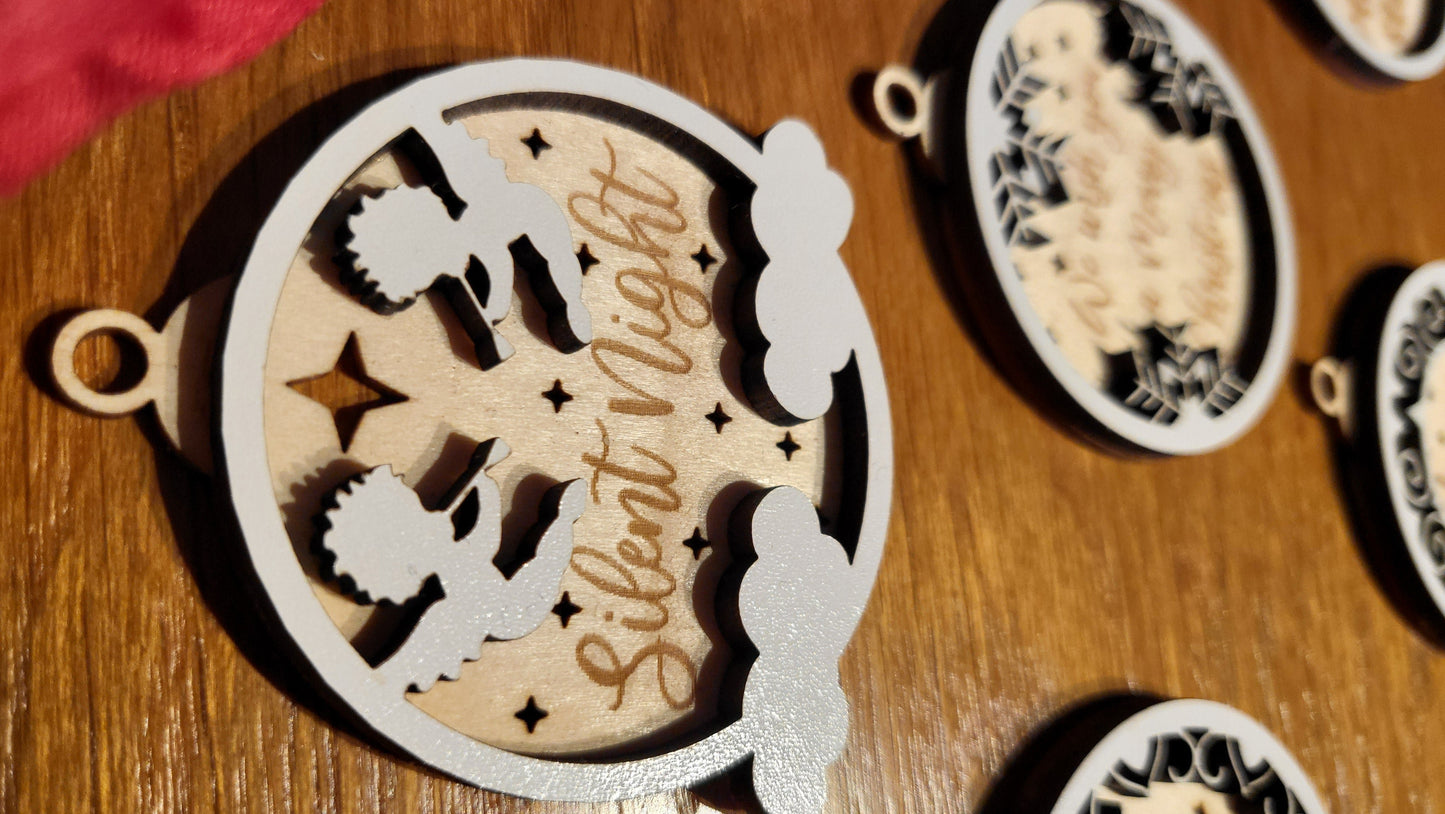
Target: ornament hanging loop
{"points": [[105, 321], [177, 373], [903, 102], [1331, 385]]}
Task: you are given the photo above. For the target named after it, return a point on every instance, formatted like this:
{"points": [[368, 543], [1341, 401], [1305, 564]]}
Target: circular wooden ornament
{"points": [[614, 492], [1188, 757], [1401, 40], [1387, 391], [1114, 214]]}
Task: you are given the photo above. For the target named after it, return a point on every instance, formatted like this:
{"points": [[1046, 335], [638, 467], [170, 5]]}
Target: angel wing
{"points": [[501, 215]]}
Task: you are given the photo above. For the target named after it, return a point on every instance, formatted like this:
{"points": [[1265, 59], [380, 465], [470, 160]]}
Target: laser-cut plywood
{"points": [[1187, 757], [1402, 40], [1389, 400], [555, 428], [176, 380], [1173, 798], [1152, 230], [1393, 26], [694, 360], [1129, 206], [1431, 416], [168, 715], [644, 640]]}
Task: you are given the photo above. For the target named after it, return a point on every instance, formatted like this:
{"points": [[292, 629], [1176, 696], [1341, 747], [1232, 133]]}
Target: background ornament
{"points": [[1101, 159], [1394, 40], [1134, 755], [514, 392], [1384, 389], [1189, 753]]}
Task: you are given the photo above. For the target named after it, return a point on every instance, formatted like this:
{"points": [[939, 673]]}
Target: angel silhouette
{"points": [[382, 542], [465, 233]]}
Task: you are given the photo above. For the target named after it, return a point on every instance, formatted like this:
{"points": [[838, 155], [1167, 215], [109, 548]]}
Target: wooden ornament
{"points": [[1101, 158], [1384, 389], [1138, 755], [558, 438], [1189, 756], [1396, 40], [177, 377]]}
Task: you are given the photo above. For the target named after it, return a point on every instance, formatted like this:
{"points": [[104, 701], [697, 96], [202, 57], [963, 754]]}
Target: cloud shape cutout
{"points": [[804, 304]]}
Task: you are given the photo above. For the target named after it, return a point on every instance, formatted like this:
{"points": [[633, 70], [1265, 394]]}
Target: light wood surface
{"points": [[1025, 571], [1155, 230], [641, 661], [1391, 25]]}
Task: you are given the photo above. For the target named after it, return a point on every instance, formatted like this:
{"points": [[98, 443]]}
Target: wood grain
{"points": [[1025, 571]]}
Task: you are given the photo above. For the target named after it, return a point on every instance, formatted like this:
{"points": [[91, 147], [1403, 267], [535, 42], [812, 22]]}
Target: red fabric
{"points": [[69, 66]]}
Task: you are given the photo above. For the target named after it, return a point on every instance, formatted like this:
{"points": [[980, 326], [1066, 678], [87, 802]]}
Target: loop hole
{"points": [[901, 101], [1330, 386], [124, 327]]}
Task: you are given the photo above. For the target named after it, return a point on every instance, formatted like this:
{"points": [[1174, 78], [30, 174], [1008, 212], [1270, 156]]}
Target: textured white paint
{"points": [[810, 349]]}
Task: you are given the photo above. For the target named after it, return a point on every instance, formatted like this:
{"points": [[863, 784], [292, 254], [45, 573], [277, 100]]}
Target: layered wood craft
{"points": [[1103, 159], [1129, 755], [555, 432], [561, 452], [1384, 391], [1395, 40]]}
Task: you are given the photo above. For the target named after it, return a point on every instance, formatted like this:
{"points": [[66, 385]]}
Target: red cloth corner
{"points": [[69, 66]]}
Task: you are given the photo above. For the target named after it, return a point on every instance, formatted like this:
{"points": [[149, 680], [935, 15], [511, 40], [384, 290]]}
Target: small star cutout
{"points": [[1063, 42], [704, 258], [566, 609], [536, 144], [530, 714], [1033, 52], [788, 445], [557, 396], [585, 259], [697, 543], [1063, 92], [718, 417], [347, 391], [1059, 265]]}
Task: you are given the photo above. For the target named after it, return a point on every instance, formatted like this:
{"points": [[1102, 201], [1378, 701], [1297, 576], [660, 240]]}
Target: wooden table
{"points": [[1025, 571]]}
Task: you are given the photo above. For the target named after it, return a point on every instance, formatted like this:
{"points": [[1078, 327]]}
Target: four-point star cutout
{"points": [[704, 259], [697, 543], [536, 143], [566, 609], [585, 259], [530, 714], [788, 445], [557, 396], [718, 417], [347, 391]]}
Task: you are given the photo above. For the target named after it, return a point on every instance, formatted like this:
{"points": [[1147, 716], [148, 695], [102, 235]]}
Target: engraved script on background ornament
{"points": [[1134, 225]]}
